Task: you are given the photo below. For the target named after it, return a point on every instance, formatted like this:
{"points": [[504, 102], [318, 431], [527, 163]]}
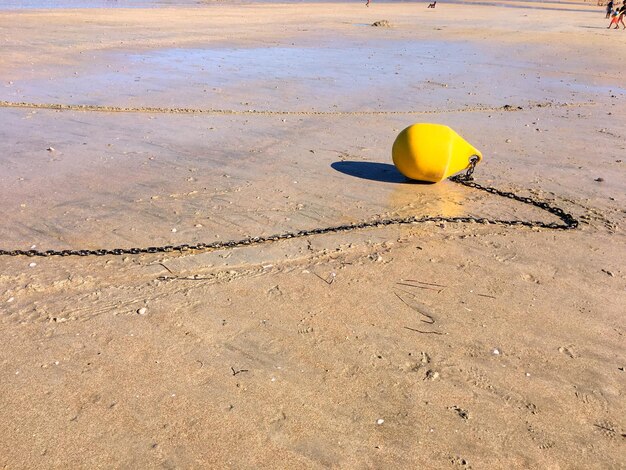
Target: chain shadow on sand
{"points": [[373, 171]]}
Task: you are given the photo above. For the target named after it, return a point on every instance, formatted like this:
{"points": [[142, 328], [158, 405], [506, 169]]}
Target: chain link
{"points": [[568, 222], [467, 179]]}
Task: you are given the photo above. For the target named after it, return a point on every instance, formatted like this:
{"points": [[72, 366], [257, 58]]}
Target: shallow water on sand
{"points": [[340, 76]]}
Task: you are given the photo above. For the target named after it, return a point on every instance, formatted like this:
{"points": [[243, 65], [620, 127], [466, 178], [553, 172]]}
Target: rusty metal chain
{"points": [[567, 222]]}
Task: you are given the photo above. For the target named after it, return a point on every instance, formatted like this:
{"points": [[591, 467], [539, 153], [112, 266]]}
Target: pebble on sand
{"points": [[142, 311], [380, 421], [496, 352]]}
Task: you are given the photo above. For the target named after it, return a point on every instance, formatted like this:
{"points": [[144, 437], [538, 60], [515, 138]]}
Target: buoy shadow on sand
{"points": [[373, 171]]}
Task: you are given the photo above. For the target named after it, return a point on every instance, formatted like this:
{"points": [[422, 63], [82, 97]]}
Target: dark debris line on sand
{"points": [[259, 112]]}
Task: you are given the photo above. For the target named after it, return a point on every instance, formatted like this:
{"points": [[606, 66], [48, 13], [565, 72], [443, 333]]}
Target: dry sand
{"points": [[305, 353]]}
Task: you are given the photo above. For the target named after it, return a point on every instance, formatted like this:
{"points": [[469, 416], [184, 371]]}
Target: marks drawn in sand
{"points": [[609, 430]]}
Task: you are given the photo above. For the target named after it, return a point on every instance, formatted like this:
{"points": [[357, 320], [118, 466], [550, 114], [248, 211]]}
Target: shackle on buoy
{"points": [[432, 152]]}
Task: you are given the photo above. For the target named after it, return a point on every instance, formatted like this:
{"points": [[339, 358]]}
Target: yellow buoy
{"points": [[431, 152]]}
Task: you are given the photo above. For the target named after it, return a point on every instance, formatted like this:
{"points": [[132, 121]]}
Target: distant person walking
{"points": [[614, 20], [367, 4], [622, 13], [609, 8]]}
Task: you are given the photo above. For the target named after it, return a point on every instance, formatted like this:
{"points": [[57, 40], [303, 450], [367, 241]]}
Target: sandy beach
{"points": [[430, 345]]}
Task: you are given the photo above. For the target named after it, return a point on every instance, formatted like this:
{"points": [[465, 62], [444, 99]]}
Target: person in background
{"points": [[614, 20], [622, 13], [609, 8]]}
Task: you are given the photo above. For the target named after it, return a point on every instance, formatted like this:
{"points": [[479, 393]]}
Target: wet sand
{"points": [[478, 346]]}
